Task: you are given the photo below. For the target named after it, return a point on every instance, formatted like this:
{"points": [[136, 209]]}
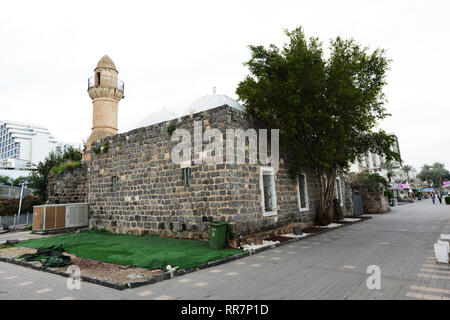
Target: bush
{"points": [[10, 207], [447, 199], [102, 230], [105, 147], [389, 194], [96, 150], [66, 166], [38, 180], [171, 128]]}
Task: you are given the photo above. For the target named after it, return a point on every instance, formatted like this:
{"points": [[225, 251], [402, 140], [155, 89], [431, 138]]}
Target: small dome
{"points": [[106, 62], [212, 101], [156, 117]]}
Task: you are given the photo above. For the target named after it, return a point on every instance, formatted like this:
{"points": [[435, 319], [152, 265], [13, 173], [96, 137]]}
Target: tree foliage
{"points": [[373, 180], [407, 170], [325, 109], [17, 182], [434, 174], [11, 206], [390, 168], [38, 180]]}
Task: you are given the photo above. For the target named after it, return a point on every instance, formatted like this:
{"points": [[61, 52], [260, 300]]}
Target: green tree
{"points": [[434, 175], [38, 180], [407, 170], [390, 169], [5, 180], [325, 109], [72, 154]]}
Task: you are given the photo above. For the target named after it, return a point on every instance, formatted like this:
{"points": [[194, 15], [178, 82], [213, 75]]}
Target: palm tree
{"points": [[406, 170], [389, 167], [5, 180]]}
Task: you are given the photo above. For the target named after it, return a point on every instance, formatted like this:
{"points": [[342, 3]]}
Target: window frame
{"points": [[115, 183], [263, 171], [338, 192], [306, 208], [186, 176]]}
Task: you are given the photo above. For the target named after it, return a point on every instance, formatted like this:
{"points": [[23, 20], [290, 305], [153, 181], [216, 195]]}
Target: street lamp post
{"points": [[20, 201]]}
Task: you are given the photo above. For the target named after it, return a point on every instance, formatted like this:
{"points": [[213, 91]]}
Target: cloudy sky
{"points": [[169, 53]]}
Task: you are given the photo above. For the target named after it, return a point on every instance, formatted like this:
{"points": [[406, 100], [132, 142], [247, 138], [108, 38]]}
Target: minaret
{"points": [[105, 90]]}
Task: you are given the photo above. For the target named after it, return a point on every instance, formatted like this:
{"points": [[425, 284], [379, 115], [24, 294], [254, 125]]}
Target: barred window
{"points": [[115, 182], [187, 176]]}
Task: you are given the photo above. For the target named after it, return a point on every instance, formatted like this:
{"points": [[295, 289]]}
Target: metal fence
{"points": [[10, 192], [15, 220]]}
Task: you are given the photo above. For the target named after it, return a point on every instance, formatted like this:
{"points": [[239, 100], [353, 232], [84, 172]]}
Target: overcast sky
{"points": [[169, 53]]}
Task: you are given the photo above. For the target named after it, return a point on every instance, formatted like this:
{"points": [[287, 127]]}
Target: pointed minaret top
{"points": [[106, 62]]}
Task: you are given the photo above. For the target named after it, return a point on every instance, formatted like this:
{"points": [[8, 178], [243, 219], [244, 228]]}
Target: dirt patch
{"points": [[280, 238], [102, 270], [15, 252], [110, 271], [313, 229]]}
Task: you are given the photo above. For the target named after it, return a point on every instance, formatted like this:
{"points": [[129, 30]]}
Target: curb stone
{"points": [[167, 275]]}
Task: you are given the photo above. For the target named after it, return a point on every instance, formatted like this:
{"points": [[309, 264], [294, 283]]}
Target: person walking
{"points": [[440, 197], [433, 197]]}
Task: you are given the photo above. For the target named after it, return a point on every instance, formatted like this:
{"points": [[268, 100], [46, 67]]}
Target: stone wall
{"points": [[151, 197], [348, 203], [374, 201], [68, 187]]}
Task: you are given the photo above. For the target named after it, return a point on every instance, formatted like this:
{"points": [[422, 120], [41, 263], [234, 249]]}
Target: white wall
{"points": [[14, 174]]}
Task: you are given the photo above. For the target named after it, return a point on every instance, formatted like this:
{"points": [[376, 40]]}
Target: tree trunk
{"points": [[324, 213]]}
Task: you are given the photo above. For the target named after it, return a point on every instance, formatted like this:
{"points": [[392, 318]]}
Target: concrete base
{"points": [[58, 231]]}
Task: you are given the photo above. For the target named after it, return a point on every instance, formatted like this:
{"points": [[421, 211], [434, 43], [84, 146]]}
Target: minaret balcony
{"points": [[105, 82]]}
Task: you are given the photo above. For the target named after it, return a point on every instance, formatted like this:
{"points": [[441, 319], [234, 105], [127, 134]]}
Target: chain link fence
{"points": [[10, 192], [15, 220]]}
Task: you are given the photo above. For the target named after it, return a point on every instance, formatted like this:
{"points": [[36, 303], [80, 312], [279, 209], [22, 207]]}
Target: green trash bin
{"points": [[217, 235], [392, 202]]}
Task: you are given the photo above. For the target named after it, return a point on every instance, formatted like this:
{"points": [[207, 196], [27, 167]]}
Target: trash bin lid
{"points": [[217, 223]]}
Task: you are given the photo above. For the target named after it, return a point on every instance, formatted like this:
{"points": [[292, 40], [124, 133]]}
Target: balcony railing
{"points": [[105, 82]]}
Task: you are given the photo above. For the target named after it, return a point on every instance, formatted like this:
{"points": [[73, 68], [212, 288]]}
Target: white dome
{"points": [[156, 117], [212, 101]]}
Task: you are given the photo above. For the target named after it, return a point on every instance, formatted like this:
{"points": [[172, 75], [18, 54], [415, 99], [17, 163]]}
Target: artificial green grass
{"points": [[6, 246], [150, 252]]}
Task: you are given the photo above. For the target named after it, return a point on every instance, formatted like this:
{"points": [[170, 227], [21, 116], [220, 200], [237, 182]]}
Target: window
{"points": [[115, 182], [187, 176], [267, 185], [97, 79], [302, 193]]}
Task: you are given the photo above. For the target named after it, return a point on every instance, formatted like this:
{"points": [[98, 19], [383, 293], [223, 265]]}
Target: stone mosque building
{"points": [[132, 185]]}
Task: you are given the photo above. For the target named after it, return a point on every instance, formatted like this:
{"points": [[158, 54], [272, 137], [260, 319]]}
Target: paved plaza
{"points": [[332, 265]]}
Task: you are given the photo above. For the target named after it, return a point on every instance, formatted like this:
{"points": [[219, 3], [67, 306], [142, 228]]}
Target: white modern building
{"points": [[24, 145], [372, 163]]}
